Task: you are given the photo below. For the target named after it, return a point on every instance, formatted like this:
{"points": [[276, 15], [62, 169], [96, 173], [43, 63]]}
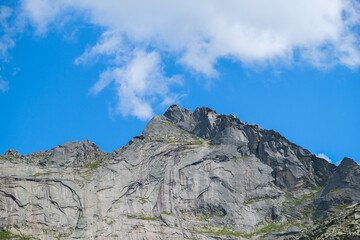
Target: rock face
{"points": [[341, 189], [190, 175]]}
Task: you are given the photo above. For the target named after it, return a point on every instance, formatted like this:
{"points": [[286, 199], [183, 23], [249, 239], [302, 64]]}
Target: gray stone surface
{"points": [[190, 175], [341, 190]]}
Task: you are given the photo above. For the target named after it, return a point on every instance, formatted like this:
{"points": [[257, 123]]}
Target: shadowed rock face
{"points": [[196, 175], [341, 189]]}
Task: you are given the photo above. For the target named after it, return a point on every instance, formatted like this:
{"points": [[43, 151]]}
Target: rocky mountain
{"points": [[189, 175]]}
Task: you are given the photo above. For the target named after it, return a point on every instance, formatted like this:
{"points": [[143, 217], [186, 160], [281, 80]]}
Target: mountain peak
{"points": [[347, 162], [342, 188], [176, 114], [204, 110], [12, 153], [203, 122], [76, 153]]}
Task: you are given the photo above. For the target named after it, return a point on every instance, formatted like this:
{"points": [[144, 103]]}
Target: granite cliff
{"points": [[189, 175]]}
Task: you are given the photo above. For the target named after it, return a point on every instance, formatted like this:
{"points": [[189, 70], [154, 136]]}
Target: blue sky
{"points": [[100, 70]]}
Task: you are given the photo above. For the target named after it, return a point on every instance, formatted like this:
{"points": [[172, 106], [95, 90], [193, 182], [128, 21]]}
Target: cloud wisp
{"points": [[6, 32], [138, 83], [7, 35], [323, 156], [4, 85], [136, 74], [199, 33]]}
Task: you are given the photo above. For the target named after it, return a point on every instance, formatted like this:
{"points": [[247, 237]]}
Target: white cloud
{"points": [[110, 44], [43, 12], [6, 32], [204, 30], [138, 84], [323, 156], [4, 85], [200, 32]]}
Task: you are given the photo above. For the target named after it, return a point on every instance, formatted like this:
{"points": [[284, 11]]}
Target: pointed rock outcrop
{"points": [[341, 189], [12, 153]]}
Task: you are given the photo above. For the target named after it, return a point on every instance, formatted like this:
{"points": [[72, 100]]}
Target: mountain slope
{"points": [[345, 225], [197, 175]]}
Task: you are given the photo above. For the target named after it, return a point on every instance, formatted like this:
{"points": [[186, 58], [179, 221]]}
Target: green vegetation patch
{"points": [[308, 212], [184, 138], [256, 200], [41, 174], [9, 235], [244, 157], [89, 169], [336, 190], [299, 201], [220, 232], [205, 218], [168, 213], [93, 165], [316, 188], [196, 142], [305, 198], [247, 156], [270, 228], [288, 194], [146, 218], [340, 207]]}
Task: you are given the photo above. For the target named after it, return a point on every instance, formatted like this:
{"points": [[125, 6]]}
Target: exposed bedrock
{"points": [[190, 175]]}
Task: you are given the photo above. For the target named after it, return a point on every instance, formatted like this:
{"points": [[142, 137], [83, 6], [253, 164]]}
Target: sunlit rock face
{"points": [[190, 175]]}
